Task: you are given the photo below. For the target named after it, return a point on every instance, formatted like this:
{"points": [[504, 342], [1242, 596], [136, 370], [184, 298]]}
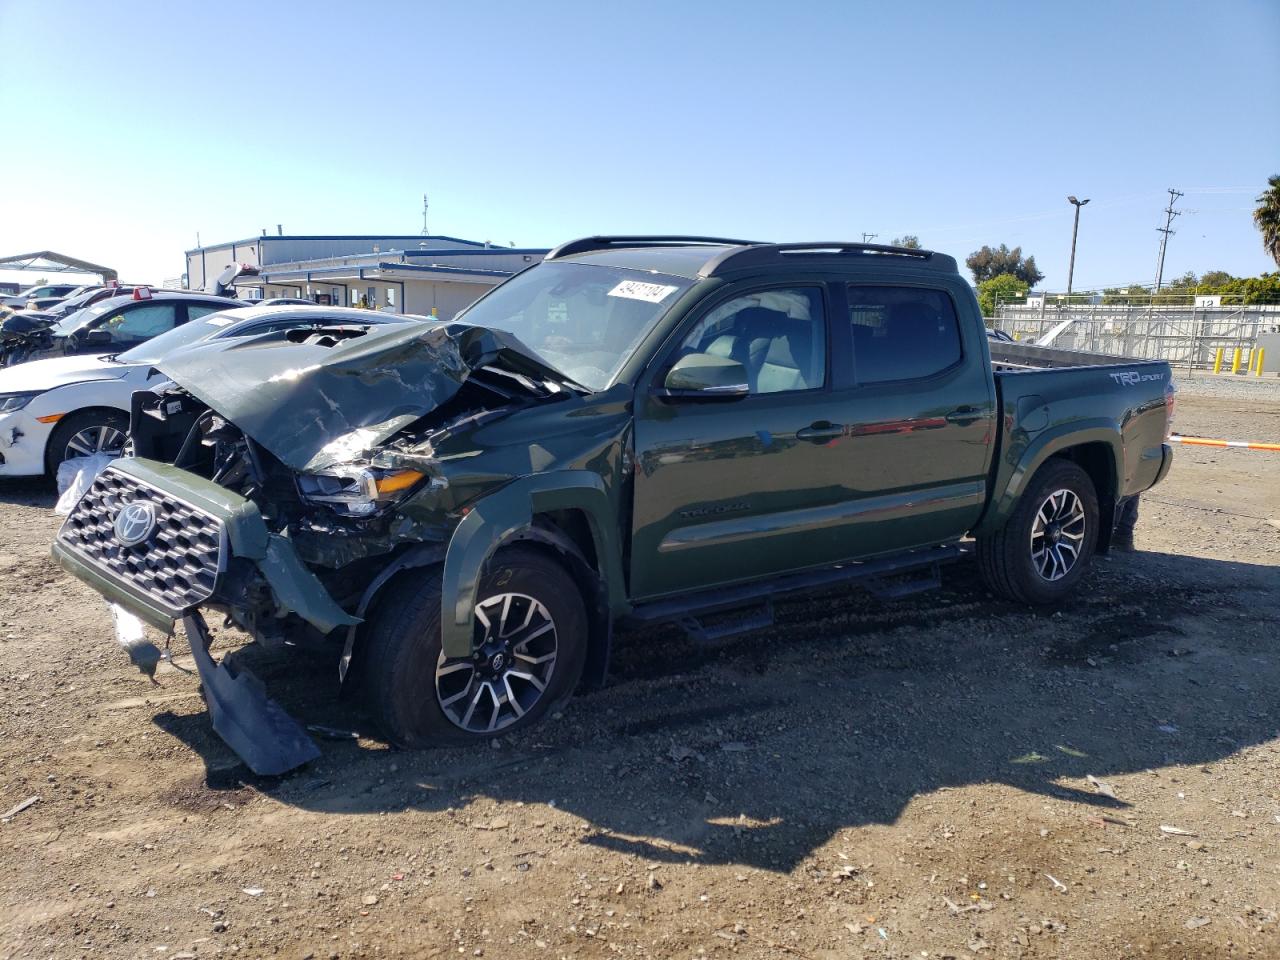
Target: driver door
{"points": [[733, 490]]}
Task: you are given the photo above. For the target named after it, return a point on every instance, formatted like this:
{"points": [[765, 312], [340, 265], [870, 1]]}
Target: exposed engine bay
{"points": [[349, 421]]}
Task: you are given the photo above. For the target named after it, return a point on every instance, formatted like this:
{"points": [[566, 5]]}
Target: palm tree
{"points": [[1267, 217]]}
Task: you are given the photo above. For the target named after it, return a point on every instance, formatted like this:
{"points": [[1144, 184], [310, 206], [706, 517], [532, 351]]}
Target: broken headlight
{"points": [[16, 401], [358, 491]]}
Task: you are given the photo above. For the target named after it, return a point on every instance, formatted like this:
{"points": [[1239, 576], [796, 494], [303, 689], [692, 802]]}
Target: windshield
{"points": [[155, 348], [72, 304], [582, 319], [74, 321]]}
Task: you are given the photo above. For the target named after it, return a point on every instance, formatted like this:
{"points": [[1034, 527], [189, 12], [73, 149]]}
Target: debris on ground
{"points": [[17, 808], [1101, 786]]}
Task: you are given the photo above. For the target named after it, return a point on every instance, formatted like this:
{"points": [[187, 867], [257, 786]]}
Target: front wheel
{"points": [[86, 434], [1047, 544], [528, 650]]}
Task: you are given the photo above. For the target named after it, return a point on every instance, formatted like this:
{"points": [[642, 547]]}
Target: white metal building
{"points": [[402, 274]]}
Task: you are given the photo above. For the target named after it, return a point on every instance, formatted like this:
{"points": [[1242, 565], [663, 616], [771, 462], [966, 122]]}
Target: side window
{"points": [[902, 333], [780, 336], [197, 310], [141, 323]]}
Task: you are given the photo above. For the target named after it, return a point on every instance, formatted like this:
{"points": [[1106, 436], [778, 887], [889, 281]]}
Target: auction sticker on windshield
{"points": [[639, 290]]}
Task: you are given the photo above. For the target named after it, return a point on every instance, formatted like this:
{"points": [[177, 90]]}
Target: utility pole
{"points": [[868, 237], [1071, 270], [1165, 234], [425, 205]]}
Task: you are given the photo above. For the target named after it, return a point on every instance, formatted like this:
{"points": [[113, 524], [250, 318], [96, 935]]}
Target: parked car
{"points": [[275, 301], [634, 430], [87, 297], [36, 293], [110, 325], [66, 407]]}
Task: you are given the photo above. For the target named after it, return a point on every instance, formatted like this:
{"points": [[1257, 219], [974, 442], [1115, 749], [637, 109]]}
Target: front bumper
{"points": [[22, 443], [201, 529], [195, 533]]}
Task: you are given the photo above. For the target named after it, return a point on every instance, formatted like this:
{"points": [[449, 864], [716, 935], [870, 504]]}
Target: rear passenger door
{"points": [[918, 411]]}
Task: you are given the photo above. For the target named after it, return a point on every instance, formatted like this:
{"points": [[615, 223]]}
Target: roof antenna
{"points": [[425, 205]]}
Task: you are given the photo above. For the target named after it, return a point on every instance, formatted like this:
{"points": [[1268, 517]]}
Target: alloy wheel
{"points": [[95, 440], [509, 669], [1057, 535]]}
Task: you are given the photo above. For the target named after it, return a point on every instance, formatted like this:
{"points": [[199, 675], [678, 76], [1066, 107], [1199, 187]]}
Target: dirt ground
{"points": [[941, 776]]}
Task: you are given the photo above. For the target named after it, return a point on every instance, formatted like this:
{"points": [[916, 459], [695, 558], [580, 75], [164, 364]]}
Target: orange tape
{"points": [[1207, 442]]}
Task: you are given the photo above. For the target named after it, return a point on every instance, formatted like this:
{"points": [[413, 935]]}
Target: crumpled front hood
{"points": [[313, 405]]}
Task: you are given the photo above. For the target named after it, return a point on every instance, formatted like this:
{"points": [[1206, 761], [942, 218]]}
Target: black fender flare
{"points": [[594, 595], [423, 555]]}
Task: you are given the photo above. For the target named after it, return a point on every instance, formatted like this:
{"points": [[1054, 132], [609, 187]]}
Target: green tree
{"points": [[990, 262], [1003, 287], [1209, 282], [1183, 286], [909, 241], [1124, 296], [1267, 218], [1246, 290]]}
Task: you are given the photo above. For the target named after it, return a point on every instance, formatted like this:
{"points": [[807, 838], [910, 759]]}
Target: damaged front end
{"points": [[277, 480]]}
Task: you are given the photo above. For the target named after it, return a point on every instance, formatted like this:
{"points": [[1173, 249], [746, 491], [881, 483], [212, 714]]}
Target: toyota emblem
{"points": [[135, 523]]}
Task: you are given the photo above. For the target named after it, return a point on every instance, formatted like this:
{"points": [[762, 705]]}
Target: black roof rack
{"points": [[754, 254], [588, 244]]}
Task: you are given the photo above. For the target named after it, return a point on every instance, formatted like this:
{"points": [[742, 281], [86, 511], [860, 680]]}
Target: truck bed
{"points": [[1024, 357]]}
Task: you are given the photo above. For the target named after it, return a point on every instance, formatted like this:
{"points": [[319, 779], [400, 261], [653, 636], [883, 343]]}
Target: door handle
{"points": [[820, 432], [965, 415]]}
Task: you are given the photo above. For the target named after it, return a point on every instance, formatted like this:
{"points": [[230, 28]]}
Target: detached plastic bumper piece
{"points": [[257, 728]]}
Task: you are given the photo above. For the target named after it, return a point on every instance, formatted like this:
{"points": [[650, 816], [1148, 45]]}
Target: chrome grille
{"points": [[176, 566]]}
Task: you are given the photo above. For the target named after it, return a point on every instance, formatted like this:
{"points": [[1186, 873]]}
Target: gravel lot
{"points": [[944, 776]]}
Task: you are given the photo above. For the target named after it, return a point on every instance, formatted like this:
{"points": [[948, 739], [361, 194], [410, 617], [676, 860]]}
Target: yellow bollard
{"points": [[1217, 360], [1261, 354], [1235, 360]]}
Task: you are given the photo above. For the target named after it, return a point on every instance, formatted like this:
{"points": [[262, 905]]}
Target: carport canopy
{"points": [[47, 261]]}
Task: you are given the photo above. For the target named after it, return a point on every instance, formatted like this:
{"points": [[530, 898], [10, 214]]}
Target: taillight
{"points": [[1170, 404]]}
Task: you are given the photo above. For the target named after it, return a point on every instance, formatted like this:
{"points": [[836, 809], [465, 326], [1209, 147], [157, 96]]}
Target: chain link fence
{"points": [[1186, 335]]}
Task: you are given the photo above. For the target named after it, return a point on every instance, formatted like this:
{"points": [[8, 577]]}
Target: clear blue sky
{"points": [[131, 126]]}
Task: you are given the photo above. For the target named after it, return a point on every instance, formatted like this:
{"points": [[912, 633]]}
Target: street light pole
{"points": [[1071, 270]]}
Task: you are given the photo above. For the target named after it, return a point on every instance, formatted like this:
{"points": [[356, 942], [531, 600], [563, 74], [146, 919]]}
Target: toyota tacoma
{"points": [[637, 429]]}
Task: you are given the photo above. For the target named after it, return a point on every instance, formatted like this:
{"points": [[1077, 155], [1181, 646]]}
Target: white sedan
{"points": [[65, 407]]}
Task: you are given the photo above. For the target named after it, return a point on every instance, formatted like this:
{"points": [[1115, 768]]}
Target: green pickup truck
{"points": [[636, 429]]}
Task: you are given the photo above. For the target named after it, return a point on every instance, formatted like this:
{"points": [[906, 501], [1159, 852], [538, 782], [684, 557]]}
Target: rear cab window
{"points": [[902, 333]]}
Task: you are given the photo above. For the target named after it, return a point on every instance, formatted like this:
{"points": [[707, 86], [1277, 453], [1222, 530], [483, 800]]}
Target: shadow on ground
{"points": [[756, 752], [27, 492]]}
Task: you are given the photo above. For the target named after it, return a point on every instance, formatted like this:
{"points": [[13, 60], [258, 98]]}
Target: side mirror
{"points": [[97, 337], [704, 376]]}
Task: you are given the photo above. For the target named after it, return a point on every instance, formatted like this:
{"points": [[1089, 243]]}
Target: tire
{"points": [[418, 699], [1024, 560], [86, 430]]}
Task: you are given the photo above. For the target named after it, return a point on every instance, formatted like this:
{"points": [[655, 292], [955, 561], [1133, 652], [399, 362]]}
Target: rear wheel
{"points": [[528, 649], [1047, 544], [86, 434]]}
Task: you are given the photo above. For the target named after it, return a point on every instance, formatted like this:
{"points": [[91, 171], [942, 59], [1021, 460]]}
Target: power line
{"points": [[1165, 233]]}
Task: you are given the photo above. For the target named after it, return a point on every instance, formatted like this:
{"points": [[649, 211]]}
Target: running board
{"points": [[896, 588], [688, 610], [750, 618]]}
